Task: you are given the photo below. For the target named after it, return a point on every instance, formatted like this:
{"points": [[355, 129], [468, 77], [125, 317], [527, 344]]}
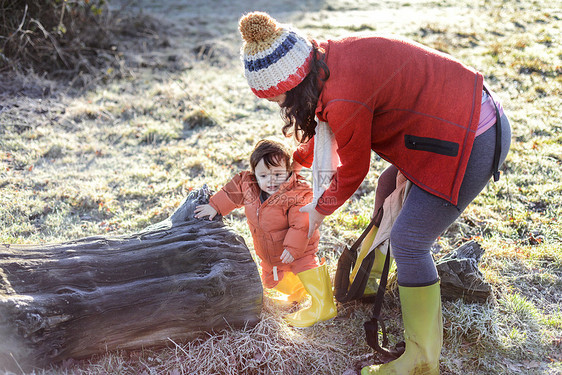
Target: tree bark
{"points": [[172, 280], [460, 276]]}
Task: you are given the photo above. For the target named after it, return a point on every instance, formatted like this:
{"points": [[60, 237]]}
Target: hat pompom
{"points": [[276, 57], [257, 26]]}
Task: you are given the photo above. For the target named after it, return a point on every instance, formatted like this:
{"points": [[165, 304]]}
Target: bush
{"points": [[57, 37]]}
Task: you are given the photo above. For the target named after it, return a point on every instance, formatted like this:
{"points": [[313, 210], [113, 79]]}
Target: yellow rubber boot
{"points": [[317, 283], [423, 333], [376, 271], [292, 288], [378, 264]]}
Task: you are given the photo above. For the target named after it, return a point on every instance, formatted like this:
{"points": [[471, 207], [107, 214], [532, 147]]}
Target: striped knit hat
{"points": [[276, 57]]}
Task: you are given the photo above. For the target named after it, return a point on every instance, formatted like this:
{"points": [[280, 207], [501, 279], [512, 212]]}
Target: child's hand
{"points": [[286, 257], [205, 210]]}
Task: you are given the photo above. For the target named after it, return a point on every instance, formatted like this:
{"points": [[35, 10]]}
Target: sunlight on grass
{"points": [[524, 312]]}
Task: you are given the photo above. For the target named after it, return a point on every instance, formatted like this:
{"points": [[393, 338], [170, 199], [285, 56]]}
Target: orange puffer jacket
{"points": [[276, 224]]}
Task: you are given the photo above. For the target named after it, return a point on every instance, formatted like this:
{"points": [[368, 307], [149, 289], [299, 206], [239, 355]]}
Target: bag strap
{"points": [[341, 279], [372, 326], [498, 149], [343, 292], [358, 242]]}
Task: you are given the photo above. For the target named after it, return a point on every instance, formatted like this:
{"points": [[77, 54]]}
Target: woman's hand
{"points": [[315, 218], [286, 257], [205, 210]]}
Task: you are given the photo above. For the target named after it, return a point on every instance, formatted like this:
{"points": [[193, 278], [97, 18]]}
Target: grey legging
{"points": [[425, 216]]}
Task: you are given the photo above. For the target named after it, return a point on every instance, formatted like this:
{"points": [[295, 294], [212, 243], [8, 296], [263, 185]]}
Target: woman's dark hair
{"points": [[299, 108], [272, 154]]}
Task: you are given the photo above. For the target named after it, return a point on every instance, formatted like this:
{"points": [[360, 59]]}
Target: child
{"points": [[272, 196]]}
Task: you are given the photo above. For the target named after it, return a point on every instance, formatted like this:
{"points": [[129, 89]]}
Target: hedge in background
{"points": [[57, 37]]}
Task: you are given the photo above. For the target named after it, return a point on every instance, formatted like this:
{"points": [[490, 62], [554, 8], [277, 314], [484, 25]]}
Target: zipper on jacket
{"points": [[434, 145]]}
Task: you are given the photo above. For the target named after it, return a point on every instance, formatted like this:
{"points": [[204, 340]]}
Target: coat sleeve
{"points": [[232, 195], [304, 154], [351, 124], [296, 239]]}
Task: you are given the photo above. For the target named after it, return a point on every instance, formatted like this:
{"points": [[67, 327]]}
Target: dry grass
{"points": [[120, 155]]}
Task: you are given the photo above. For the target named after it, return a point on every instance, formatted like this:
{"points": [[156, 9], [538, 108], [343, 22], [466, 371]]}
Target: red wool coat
{"points": [[414, 106], [276, 224]]}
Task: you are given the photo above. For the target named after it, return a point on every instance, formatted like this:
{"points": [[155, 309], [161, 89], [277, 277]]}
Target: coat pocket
{"points": [[434, 145], [277, 238]]}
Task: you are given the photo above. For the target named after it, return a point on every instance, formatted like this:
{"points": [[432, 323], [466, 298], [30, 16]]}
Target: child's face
{"points": [[271, 178]]}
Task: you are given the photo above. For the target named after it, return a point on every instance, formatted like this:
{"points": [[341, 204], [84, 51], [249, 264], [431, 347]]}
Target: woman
{"points": [[426, 113]]}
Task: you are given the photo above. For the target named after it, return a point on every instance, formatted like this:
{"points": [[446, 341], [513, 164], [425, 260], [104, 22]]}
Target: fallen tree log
{"points": [[172, 280], [460, 276]]}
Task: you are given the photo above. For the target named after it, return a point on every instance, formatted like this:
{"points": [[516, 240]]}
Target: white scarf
{"points": [[325, 162], [324, 165]]}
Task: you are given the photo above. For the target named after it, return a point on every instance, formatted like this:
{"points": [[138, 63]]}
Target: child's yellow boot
{"points": [[291, 288], [317, 283]]}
